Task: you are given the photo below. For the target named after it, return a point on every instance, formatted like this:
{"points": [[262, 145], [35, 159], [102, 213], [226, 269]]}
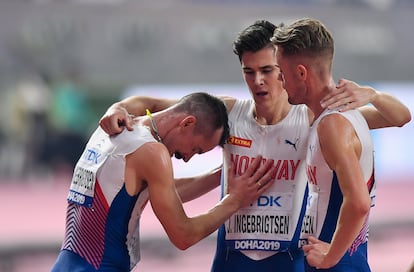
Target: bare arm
{"points": [[341, 149], [190, 188], [155, 168], [118, 116], [386, 110]]}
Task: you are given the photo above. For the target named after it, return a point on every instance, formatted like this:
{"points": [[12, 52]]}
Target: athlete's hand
{"points": [[348, 95], [248, 186], [115, 120], [315, 252]]}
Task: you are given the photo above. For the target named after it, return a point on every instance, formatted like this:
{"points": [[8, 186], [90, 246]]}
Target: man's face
{"points": [[188, 143], [260, 72], [288, 77]]}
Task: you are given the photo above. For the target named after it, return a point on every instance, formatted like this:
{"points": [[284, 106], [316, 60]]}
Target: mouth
{"points": [[261, 93]]}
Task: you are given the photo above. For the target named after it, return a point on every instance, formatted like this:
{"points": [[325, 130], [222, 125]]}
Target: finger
{"points": [[231, 171], [312, 240], [306, 248], [347, 106], [254, 166], [334, 99], [129, 122], [264, 186], [265, 183], [328, 96], [344, 102], [341, 82], [264, 171], [103, 126], [332, 93], [129, 126], [331, 103], [116, 125], [110, 126]]}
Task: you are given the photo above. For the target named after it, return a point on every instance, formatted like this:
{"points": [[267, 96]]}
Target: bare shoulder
{"points": [[148, 163], [150, 153], [335, 132], [338, 139], [334, 124]]}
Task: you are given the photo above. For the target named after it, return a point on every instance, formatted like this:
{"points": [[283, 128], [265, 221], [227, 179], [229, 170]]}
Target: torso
{"points": [[272, 221], [113, 218], [325, 197]]}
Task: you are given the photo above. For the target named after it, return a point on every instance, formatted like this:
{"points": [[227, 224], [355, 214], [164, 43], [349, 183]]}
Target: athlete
{"points": [[116, 176], [265, 235], [339, 159]]}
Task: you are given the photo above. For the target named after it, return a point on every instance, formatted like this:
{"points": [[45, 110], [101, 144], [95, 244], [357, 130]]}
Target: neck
{"points": [[273, 114], [315, 104]]}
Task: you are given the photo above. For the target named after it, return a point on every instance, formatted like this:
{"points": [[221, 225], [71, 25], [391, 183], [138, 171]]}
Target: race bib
{"points": [[82, 186], [309, 224], [266, 225]]}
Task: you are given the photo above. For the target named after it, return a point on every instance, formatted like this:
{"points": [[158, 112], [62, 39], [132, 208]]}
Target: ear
{"points": [[302, 72], [188, 121]]}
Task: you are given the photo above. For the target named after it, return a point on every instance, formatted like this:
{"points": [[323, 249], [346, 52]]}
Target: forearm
{"points": [[386, 110], [136, 105], [392, 112], [205, 224], [185, 231], [350, 222], [194, 187], [242, 191]]}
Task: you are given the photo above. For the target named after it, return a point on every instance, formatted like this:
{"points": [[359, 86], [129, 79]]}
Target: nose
{"points": [[259, 78]]}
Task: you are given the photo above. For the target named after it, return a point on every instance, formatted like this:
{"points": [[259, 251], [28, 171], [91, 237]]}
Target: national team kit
{"points": [[265, 236], [101, 215], [268, 235], [325, 198]]}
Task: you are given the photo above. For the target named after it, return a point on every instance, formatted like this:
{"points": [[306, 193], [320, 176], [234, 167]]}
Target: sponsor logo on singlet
{"points": [[233, 140], [292, 143]]}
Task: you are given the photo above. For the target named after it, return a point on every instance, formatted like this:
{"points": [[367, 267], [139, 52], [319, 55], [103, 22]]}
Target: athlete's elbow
{"points": [[364, 210], [406, 119], [182, 243], [362, 207], [403, 118]]}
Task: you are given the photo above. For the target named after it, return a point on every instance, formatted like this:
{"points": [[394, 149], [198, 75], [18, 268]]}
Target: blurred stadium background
{"points": [[63, 62]]}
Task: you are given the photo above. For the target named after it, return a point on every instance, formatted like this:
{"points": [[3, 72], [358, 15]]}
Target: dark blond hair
{"points": [[305, 37]]}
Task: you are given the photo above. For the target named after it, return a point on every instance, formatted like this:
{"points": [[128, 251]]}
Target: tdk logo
{"points": [[269, 201], [92, 155]]}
